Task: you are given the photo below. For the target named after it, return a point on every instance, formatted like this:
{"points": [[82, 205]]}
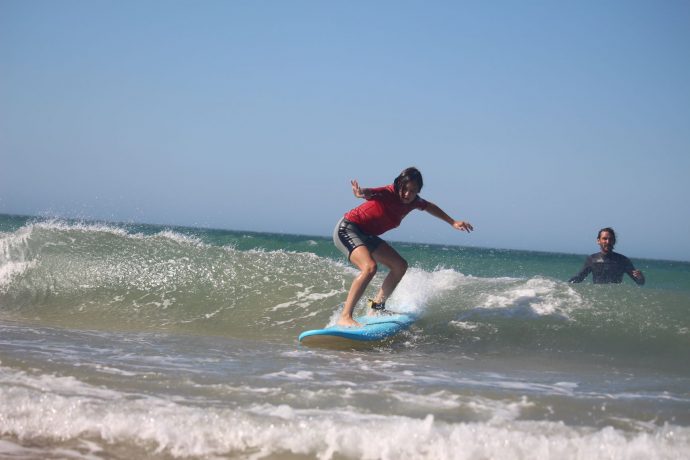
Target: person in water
{"points": [[608, 266], [357, 235]]}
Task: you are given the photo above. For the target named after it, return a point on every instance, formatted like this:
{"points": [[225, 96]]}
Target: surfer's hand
{"points": [[463, 226], [357, 190]]}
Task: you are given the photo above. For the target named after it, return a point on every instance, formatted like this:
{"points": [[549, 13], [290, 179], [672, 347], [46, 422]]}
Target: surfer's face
{"points": [[606, 242], [408, 192]]}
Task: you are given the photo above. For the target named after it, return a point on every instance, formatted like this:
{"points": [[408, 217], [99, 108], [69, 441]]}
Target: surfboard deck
{"points": [[374, 328]]}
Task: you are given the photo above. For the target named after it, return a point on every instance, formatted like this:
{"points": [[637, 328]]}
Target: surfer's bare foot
{"points": [[348, 322]]}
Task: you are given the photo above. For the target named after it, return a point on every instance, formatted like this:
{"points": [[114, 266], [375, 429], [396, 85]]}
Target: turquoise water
{"points": [[132, 341]]}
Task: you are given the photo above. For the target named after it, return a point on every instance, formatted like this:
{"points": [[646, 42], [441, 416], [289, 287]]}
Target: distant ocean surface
{"points": [[124, 341]]}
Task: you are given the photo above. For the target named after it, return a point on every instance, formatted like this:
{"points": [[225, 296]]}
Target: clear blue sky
{"points": [[539, 122]]}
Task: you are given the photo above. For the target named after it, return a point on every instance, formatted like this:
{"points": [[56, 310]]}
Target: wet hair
{"points": [[408, 175], [609, 230]]}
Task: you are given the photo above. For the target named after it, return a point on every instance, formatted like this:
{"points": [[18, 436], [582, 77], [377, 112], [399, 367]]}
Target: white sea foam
{"points": [[535, 297], [179, 237], [13, 256], [283, 375], [107, 228], [57, 410], [420, 287], [85, 450], [305, 298]]}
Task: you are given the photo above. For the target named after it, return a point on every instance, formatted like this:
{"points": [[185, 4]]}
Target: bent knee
{"points": [[369, 269]]}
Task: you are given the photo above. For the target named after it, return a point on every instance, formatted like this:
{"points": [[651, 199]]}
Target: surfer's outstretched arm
{"points": [[360, 192], [441, 214]]}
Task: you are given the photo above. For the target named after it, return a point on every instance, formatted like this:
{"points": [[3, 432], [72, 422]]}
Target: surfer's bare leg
{"points": [[389, 257], [362, 259]]}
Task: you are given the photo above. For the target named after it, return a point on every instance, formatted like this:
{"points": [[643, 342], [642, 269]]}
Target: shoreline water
{"points": [[133, 341]]}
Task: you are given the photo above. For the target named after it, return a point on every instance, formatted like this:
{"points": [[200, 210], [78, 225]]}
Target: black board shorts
{"points": [[347, 236]]}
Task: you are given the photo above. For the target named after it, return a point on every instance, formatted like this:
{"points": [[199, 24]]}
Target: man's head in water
{"points": [[408, 184], [606, 239]]}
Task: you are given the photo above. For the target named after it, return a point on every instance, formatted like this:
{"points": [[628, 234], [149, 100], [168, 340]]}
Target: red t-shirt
{"points": [[383, 211]]}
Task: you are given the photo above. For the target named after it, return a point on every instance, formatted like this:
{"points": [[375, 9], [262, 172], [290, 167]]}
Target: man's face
{"points": [[606, 242]]}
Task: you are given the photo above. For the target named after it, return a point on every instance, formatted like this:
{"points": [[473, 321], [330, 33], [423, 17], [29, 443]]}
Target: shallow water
{"points": [[133, 341]]}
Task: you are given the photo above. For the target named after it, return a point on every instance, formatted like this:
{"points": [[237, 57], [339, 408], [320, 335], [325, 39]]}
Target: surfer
{"points": [[357, 235], [607, 266]]}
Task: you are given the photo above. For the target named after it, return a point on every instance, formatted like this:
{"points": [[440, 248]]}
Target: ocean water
{"points": [[137, 341]]}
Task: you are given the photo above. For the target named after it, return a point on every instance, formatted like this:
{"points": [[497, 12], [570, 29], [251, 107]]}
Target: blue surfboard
{"points": [[374, 328]]}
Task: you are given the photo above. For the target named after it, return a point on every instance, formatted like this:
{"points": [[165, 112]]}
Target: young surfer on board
{"points": [[608, 266], [357, 235]]}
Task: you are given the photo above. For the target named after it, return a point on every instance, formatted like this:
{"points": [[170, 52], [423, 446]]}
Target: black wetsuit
{"points": [[605, 268]]}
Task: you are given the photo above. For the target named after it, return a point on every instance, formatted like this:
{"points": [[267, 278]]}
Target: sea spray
{"points": [[130, 340]]}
